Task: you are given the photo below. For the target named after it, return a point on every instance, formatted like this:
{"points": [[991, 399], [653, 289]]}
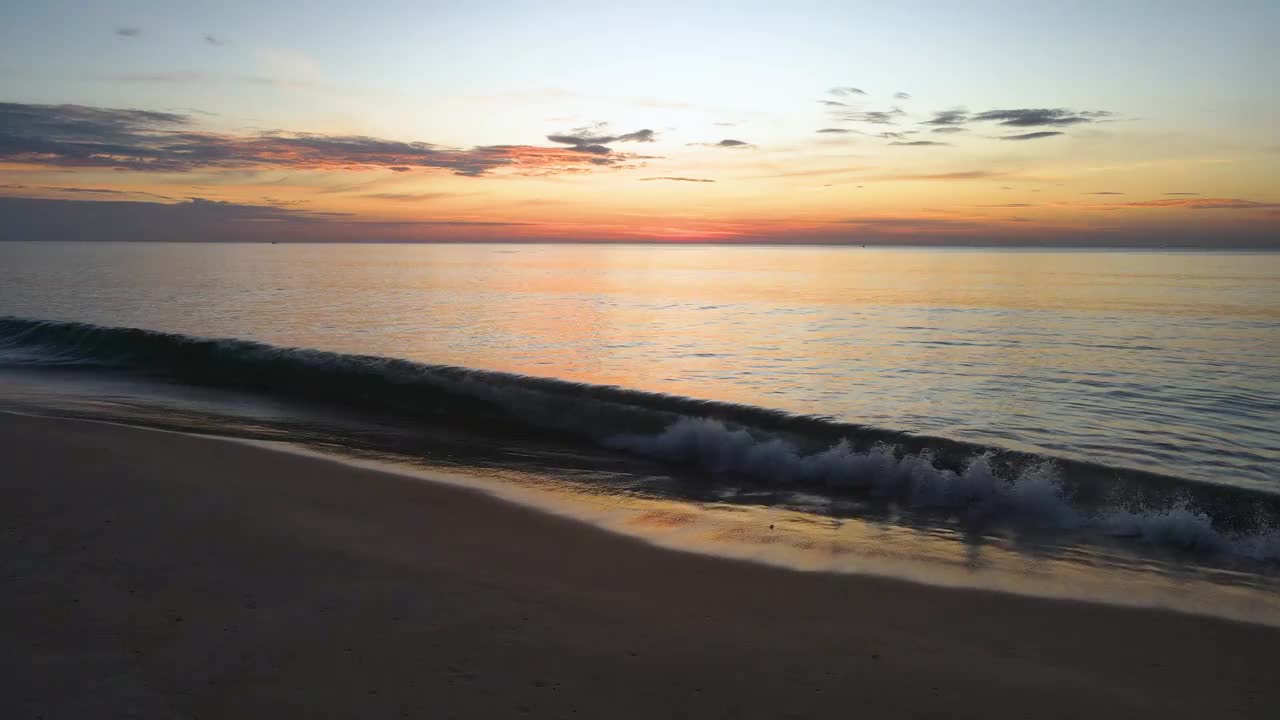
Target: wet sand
{"points": [[158, 575]]}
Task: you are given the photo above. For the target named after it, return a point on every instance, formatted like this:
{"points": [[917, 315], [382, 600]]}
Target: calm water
{"points": [[1166, 362], [1103, 425]]}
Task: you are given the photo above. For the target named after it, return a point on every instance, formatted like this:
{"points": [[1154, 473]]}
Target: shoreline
{"points": [[188, 576]]}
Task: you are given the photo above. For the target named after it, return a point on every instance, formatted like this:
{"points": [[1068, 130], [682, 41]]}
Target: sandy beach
{"points": [[152, 575]]}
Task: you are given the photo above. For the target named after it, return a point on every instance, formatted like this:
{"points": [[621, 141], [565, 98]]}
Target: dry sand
{"points": [[156, 575]]}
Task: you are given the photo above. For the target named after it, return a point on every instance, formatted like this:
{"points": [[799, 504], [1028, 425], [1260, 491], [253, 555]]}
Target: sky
{"points": [[992, 123]]}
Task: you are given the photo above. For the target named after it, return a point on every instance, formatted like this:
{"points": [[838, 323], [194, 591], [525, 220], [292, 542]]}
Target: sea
{"points": [[1101, 425]]}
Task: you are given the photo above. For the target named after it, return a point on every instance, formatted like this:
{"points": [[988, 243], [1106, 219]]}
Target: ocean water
{"points": [[1060, 407]]}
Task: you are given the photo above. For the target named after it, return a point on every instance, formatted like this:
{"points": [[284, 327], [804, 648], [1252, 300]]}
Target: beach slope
{"points": [[150, 574]]}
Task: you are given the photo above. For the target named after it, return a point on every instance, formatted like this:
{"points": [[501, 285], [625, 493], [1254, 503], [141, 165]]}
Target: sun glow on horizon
{"points": [[753, 128]]}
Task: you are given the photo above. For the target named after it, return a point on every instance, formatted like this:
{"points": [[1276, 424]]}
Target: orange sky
{"points": [[773, 125]]}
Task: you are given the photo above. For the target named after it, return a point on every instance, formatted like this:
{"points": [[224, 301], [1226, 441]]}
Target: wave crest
{"points": [[731, 442], [1035, 493]]}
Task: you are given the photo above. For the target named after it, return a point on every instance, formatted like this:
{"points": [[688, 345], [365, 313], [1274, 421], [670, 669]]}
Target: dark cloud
{"points": [[845, 91], [678, 179], [128, 32], [949, 130], [202, 220], [81, 191], [1033, 135], [1036, 117], [901, 96], [918, 143], [593, 138], [832, 103], [734, 144], [874, 117], [838, 131], [1103, 192], [27, 218], [214, 40], [584, 147], [399, 168], [958, 116], [76, 136]]}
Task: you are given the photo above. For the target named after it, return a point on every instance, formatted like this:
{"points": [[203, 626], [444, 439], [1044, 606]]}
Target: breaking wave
{"points": [[728, 443], [1033, 493]]}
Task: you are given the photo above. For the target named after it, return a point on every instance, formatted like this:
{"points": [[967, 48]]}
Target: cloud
{"points": [[958, 116], [813, 173], [1181, 193], [918, 143], [72, 134], [436, 223], [202, 220], [214, 40], [838, 131], [638, 136], [1035, 117], [192, 77], [1007, 205], [592, 138], [949, 130], [75, 136], [963, 175], [730, 144], [407, 197], [1032, 135], [678, 179], [832, 103], [400, 168], [83, 191], [874, 117], [1200, 204], [725, 124], [901, 96], [1103, 192], [128, 32], [913, 224], [171, 77], [80, 213], [845, 91]]}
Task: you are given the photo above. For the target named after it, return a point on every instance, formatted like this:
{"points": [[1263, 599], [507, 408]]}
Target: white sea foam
{"points": [[1035, 494]]}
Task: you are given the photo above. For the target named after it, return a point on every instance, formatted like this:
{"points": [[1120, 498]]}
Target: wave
{"points": [[1034, 493], [729, 443]]}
